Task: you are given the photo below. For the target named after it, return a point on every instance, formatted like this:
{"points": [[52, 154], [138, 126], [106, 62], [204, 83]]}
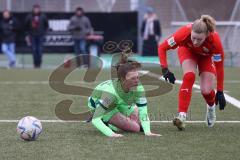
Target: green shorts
{"points": [[125, 110]]}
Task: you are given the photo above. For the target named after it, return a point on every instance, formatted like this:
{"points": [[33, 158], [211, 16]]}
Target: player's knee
{"points": [[135, 127], [189, 77], [205, 90]]}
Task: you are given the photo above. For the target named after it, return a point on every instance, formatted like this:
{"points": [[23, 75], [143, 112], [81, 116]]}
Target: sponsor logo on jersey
{"points": [[189, 45], [205, 49], [171, 42], [217, 58], [106, 101]]}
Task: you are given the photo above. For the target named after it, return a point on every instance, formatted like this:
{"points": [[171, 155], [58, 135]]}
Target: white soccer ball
{"points": [[29, 128]]}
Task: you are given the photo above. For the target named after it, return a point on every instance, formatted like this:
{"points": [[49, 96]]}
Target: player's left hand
{"points": [[220, 99], [153, 134]]}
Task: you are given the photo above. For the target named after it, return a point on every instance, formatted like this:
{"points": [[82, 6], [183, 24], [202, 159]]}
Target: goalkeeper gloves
{"points": [[169, 76], [220, 99]]}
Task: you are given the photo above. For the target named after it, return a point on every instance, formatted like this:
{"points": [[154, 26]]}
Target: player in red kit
{"points": [[199, 46]]}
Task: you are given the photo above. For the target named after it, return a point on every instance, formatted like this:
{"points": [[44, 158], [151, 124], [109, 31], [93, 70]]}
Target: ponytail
{"points": [[126, 65], [206, 24], [210, 22]]}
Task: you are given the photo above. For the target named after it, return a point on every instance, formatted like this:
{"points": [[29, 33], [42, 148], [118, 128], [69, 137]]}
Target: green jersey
{"points": [[109, 98]]}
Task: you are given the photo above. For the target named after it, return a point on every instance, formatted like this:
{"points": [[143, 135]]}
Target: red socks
{"points": [[210, 98], [185, 92]]}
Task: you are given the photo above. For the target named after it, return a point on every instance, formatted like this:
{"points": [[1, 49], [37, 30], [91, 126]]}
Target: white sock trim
{"points": [[183, 113], [211, 106]]}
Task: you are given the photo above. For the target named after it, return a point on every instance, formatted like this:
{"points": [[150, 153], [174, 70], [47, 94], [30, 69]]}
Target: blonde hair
{"points": [[206, 24]]}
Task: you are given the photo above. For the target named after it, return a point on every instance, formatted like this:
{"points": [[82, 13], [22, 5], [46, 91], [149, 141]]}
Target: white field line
{"points": [[198, 91], [61, 121], [229, 99], [196, 122], [227, 81]]}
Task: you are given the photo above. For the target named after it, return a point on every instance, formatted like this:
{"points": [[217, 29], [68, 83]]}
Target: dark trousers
{"points": [[150, 47], [37, 50], [81, 51]]}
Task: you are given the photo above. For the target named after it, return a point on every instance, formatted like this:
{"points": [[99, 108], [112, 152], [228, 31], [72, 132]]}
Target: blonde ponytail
{"points": [[206, 24], [210, 22]]}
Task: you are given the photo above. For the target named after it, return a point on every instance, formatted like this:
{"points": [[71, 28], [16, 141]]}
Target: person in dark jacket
{"points": [[151, 32], [80, 27], [8, 28], [36, 25]]}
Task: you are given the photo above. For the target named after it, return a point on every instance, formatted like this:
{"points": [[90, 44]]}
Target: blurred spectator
{"points": [[151, 32], [36, 25], [8, 28], [80, 27]]}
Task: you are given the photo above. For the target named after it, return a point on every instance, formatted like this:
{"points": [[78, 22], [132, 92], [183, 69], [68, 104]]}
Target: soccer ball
{"points": [[29, 128]]}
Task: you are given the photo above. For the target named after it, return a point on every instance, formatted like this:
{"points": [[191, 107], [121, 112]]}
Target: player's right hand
{"points": [[169, 76], [115, 135]]}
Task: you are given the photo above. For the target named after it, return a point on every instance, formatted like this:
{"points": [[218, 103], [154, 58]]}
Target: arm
{"points": [[46, 24], [16, 25], [171, 43], [141, 103], [144, 119], [71, 25], [27, 25], [103, 106], [0, 28], [27, 29], [158, 28], [89, 26], [143, 27], [98, 123], [218, 58]]}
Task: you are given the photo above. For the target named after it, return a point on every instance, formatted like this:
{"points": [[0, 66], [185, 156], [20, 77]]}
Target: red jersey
{"points": [[212, 46]]}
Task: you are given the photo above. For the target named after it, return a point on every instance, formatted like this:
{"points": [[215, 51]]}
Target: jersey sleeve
{"points": [[141, 103], [172, 42], [218, 58], [104, 105]]}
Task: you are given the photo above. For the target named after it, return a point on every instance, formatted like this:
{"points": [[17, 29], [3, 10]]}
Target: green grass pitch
{"points": [[26, 92]]}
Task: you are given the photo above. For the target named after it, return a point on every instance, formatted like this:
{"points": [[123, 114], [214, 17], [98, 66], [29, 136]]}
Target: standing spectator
{"points": [[36, 25], [151, 32], [8, 29], [80, 27]]}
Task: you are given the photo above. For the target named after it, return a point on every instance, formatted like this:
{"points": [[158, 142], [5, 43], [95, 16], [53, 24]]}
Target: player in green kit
{"points": [[121, 102]]}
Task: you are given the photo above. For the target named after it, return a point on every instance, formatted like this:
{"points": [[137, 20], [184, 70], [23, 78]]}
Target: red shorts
{"points": [[204, 63]]}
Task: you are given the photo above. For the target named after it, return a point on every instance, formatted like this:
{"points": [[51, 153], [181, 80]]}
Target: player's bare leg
{"points": [[207, 83], [125, 123], [135, 117]]}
